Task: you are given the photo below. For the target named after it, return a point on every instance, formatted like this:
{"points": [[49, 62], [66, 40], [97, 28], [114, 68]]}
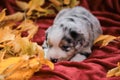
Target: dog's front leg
{"points": [[78, 57]]}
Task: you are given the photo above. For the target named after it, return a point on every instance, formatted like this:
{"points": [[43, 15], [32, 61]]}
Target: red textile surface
{"points": [[100, 61]]}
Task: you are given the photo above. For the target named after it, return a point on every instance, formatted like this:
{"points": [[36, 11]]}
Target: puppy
{"points": [[72, 35]]}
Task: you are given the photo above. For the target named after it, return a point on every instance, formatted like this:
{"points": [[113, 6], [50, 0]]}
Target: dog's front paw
{"points": [[78, 57]]}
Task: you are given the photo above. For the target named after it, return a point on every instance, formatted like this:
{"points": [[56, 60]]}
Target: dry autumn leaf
{"points": [[34, 8], [29, 26], [105, 40], [18, 16], [24, 46], [7, 23], [114, 72], [14, 17], [2, 14], [12, 45], [66, 2], [56, 2], [7, 36], [74, 3], [13, 68], [6, 63], [35, 5], [22, 5], [2, 54], [11, 42]]}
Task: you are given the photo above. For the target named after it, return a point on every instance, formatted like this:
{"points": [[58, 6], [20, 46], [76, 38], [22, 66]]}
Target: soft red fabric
{"points": [[100, 61]]}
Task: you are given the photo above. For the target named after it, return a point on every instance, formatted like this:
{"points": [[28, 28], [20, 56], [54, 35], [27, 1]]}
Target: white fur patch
{"points": [[55, 36]]}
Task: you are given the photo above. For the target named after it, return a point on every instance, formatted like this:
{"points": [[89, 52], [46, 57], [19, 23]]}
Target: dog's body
{"points": [[72, 35]]}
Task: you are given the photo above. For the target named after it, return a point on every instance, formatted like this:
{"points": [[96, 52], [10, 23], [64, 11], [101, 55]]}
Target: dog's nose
{"points": [[54, 60]]}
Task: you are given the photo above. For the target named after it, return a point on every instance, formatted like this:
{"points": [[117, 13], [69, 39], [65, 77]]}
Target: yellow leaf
{"points": [[13, 68], [8, 62], [2, 54], [66, 2], [42, 58], [22, 5], [23, 67], [18, 16], [29, 26], [35, 5], [117, 73], [2, 15], [48, 63], [74, 3], [23, 46], [6, 34], [112, 72], [104, 39], [56, 2], [7, 24]]}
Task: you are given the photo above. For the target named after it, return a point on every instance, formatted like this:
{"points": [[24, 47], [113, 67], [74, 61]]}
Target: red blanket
{"points": [[100, 61]]}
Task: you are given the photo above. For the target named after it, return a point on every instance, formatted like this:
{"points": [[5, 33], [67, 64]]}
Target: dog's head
{"points": [[64, 39]]}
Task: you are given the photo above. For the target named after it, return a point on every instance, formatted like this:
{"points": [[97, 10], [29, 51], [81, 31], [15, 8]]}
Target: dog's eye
{"points": [[50, 46], [66, 48]]}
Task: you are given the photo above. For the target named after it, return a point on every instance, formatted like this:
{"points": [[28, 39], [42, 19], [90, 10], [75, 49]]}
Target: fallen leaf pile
{"points": [[22, 68], [37, 8], [20, 58]]}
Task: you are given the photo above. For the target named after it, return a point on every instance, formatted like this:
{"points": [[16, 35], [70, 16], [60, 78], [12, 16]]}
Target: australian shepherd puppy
{"points": [[72, 35]]}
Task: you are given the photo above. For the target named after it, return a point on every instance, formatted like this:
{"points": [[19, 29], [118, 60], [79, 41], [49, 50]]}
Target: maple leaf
{"points": [[104, 40]]}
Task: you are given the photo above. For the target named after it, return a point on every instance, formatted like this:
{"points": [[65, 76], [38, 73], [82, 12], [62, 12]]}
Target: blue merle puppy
{"points": [[72, 35]]}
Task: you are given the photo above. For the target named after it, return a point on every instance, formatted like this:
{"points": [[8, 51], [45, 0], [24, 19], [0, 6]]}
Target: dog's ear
{"points": [[94, 25], [78, 38], [44, 45], [87, 16], [73, 34], [47, 31]]}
